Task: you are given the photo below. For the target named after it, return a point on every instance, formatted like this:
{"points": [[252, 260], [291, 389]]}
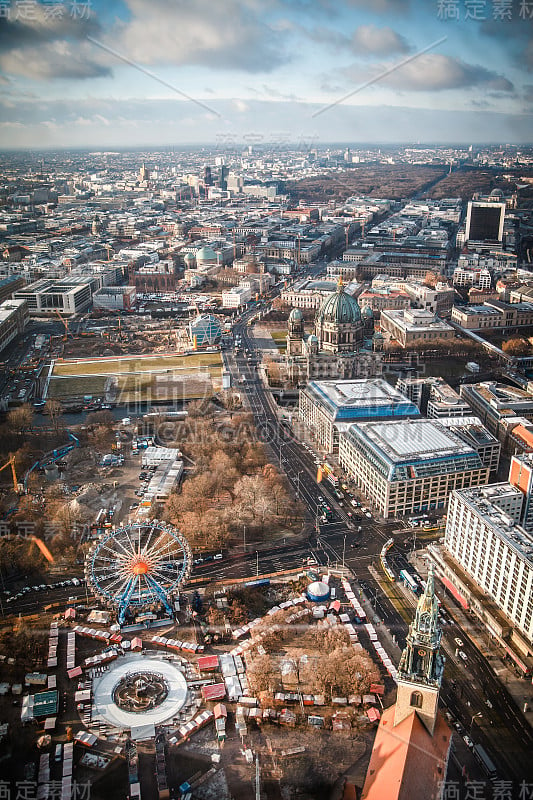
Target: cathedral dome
{"points": [[296, 315], [339, 308], [367, 312]]}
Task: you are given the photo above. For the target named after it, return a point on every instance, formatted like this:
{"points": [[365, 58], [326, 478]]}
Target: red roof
{"points": [[216, 691], [74, 672], [406, 761], [220, 710], [207, 662]]}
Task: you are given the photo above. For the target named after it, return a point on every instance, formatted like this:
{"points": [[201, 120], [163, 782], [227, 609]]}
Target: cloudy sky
{"points": [[110, 73]]}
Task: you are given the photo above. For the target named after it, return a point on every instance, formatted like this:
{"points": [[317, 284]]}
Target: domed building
{"points": [[205, 330], [333, 350], [205, 257], [338, 323], [189, 261]]}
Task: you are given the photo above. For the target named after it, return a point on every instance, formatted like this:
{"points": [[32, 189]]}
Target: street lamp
{"points": [[257, 563], [479, 714], [298, 482]]}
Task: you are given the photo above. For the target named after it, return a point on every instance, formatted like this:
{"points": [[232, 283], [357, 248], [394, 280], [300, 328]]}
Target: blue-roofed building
{"points": [[408, 466], [328, 407]]}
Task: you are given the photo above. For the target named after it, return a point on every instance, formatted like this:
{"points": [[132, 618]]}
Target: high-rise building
{"points": [[207, 177], [484, 221], [521, 476], [485, 538]]}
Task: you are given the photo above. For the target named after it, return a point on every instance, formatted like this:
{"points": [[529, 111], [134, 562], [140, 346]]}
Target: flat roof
{"points": [[482, 500], [413, 438], [412, 448], [360, 398]]}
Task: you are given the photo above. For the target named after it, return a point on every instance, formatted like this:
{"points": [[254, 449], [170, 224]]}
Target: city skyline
{"points": [[393, 71]]}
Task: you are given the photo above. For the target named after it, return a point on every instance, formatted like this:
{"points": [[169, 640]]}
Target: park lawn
{"points": [[116, 365]]}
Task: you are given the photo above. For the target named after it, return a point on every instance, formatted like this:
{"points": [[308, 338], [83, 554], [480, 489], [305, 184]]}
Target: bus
{"points": [[327, 469], [408, 580], [327, 513], [485, 760]]}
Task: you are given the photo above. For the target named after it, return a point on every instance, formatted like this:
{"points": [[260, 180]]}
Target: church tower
{"points": [[421, 665], [296, 333]]}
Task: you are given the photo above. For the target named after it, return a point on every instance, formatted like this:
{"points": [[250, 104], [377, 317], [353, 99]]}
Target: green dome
{"points": [[367, 312], [188, 257], [296, 315], [206, 254], [339, 308]]}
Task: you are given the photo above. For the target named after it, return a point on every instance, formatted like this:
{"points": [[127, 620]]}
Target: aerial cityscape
{"points": [[266, 400]]}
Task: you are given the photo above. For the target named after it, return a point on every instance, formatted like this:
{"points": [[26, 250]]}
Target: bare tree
{"points": [[54, 409], [20, 418]]}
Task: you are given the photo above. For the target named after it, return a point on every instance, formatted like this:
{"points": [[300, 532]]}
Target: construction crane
{"points": [[11, 462], [65, 323]]}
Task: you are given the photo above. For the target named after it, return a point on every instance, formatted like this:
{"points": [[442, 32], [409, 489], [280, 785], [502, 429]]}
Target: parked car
{"points": [[459, 642], [468, 741], [463, 655]]}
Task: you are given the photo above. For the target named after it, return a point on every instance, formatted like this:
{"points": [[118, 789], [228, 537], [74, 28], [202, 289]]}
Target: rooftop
{"points": [[483, 500], [412, 448], [361, 398]]}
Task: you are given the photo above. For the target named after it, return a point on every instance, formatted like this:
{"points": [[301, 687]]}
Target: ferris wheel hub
{"points": [[140, 568]]}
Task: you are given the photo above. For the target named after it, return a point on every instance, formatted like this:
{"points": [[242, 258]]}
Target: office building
{"points": [[409, 466], [474, 434], [484, 221], [433, 396], [521, 476], [68, 296], [236, 297], [327, 407], [484, 536], [14, 317], [497, 404]]}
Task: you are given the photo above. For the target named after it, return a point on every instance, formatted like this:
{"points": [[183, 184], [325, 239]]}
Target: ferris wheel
{"points": [[138, 565]]}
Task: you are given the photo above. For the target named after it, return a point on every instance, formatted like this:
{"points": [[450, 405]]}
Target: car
{"points": [[459, 642], [349, 514], [463, 655], [368, 515], [134, 505], [198, 561], [488, 703], [458, 727], [468, 741], [217, 557]]}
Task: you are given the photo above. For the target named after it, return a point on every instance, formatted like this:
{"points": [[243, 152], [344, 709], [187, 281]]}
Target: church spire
{"points": [[421, 665]]}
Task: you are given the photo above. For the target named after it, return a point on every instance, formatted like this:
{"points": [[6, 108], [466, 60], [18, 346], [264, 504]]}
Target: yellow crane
{"points": [[11, 462]]}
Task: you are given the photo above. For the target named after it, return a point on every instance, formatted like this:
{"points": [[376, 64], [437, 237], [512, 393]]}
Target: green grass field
{"points": [[161, 377], [115, 366]]}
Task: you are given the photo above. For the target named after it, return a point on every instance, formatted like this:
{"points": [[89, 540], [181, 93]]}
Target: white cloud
{"points": [[221, 35], [431, 72], [369, 39]]}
